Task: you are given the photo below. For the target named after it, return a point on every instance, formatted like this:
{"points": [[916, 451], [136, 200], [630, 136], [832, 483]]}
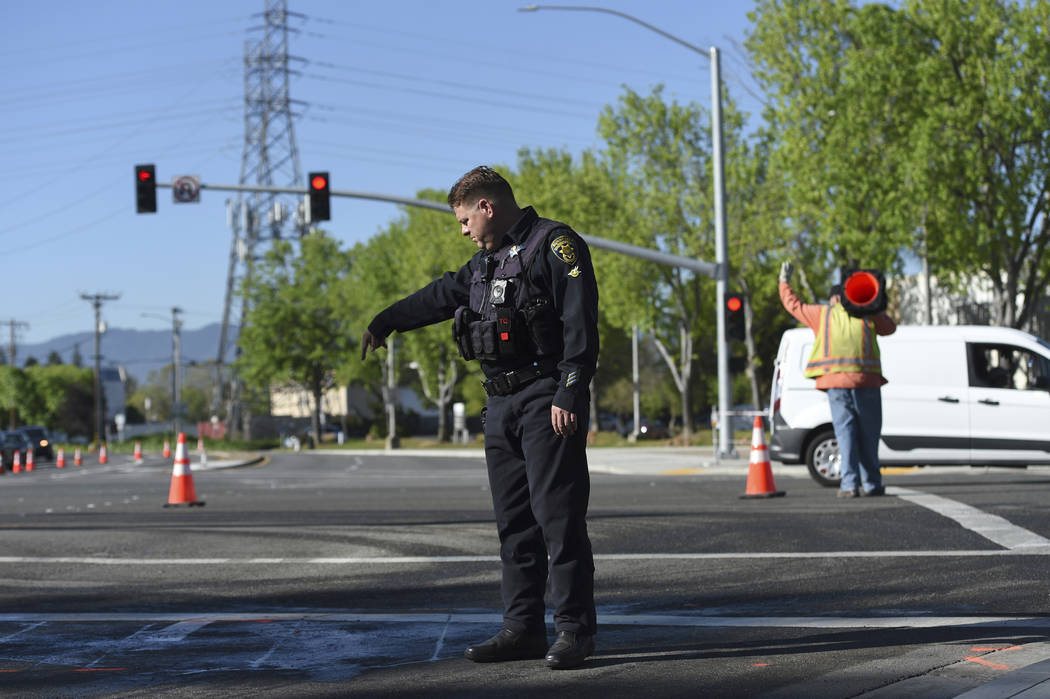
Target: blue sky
{"points": [[400, 96]]}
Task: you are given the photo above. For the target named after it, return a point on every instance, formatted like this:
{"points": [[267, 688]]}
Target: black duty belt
{"points": [[510, 381]]}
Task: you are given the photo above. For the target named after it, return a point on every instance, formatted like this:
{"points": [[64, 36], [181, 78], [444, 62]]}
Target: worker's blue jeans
{"points": [[856, 415]]}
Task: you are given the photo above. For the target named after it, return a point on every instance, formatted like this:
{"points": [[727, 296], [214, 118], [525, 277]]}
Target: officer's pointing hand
{"points": [[371, 341]]}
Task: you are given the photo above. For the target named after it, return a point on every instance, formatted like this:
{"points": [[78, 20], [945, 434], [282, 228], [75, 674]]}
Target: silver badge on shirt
{"points": [[499, 291]]}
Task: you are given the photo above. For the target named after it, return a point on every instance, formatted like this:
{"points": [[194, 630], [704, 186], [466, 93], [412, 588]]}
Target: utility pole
{"points": [[96, 301], [176, 378], [11, 358]]}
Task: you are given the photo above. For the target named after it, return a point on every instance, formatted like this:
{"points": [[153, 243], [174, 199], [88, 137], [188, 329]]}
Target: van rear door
{"points": [[925, 412], [1009, 403]]}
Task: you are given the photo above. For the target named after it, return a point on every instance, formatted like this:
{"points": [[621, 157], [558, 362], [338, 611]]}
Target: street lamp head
{"points": [[529, 8]]}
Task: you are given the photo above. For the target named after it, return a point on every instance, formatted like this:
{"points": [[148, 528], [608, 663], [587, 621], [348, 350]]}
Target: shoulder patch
{"points": [[563, 248]]}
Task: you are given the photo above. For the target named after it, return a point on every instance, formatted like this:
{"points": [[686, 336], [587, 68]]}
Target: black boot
{"points": [[570, 650], [509, 645]]}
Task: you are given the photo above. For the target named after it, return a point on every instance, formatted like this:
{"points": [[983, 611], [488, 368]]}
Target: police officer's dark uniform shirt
{"points": [[569, 282]]}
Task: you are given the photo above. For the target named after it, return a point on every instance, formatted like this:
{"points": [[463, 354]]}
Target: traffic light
{"points": [[145, 189], [319, 197], [735, 317]]}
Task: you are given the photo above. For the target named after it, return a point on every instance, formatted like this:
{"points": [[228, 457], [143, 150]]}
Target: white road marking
{"points": [[991, 527], [918, 621], [422, 560]]}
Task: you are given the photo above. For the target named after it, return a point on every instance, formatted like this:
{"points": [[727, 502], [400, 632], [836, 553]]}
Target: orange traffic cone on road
{"points": [[30, 466], [60, 460], [182, 491], [78, 460], [2, 469], [138, 453], [167, 449], [103, 457], [16, 467], [200, 443], [760, 471]]}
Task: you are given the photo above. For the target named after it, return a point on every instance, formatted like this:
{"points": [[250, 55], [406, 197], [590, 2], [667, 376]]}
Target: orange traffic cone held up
{"points": [[760, 471], [182, 491]]}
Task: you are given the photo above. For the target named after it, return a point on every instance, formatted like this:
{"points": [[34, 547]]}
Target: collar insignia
{"points": [[575, 271], [514, 250]]}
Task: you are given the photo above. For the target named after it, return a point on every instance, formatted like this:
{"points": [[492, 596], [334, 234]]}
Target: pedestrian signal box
{"points": [[145, 189], [734, 311], [320, 198]]}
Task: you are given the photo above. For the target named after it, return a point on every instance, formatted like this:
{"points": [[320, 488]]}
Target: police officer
{"points": [[526, 306]]}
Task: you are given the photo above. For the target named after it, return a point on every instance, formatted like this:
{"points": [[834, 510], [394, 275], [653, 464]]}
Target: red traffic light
{"points": [[145, 175], [734, 303], [318, 182]]}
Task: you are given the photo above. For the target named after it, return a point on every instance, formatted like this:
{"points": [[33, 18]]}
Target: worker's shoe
{"points": [[570, 650], [509, 645], [847, 493], [878, 490]]}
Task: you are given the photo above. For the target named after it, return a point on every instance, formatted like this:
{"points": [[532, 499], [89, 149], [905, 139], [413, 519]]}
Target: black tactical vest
{"points": [[506, 319]]}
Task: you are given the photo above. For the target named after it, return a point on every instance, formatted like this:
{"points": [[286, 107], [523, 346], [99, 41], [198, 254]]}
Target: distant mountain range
{"points": [[138, 351]]}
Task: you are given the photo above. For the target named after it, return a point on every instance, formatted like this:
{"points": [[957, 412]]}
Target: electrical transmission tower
{"points": [[270, 157]]}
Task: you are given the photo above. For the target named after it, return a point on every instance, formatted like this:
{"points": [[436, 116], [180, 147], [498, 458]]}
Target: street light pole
{"points": [[725, 446]]}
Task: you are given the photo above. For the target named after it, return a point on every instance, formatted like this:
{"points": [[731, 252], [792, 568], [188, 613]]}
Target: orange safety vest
{"points": [[844, 344]]}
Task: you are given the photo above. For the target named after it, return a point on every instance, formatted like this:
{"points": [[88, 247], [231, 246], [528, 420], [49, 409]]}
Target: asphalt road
{"points": [[367, 575]]}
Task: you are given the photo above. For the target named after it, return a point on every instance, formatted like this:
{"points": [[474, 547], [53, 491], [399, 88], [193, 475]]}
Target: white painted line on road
{"points": [[991, 527], [421, 560], [446, 619]]}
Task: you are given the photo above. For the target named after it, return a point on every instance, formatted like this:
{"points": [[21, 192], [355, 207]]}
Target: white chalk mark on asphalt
{"points": [[441, 639], [30, 627], [175, 633]]}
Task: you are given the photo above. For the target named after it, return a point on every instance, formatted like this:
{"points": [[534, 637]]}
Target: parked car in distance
{"points": [[42, 447], [12, 441]]}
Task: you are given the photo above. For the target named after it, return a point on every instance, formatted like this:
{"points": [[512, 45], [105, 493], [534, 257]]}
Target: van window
{"points": [[1007, 366]]}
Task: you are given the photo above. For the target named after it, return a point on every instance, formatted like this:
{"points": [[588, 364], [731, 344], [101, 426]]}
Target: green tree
{"points": [[54, 358], [294, 329], [414, 250], [923, 127], [659, 156], [51, 396]]}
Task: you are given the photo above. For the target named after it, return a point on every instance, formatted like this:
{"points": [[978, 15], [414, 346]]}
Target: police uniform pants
{"points": [[540, 489]]}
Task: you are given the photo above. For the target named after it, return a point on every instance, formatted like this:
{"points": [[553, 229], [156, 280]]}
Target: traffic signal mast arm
{"points": [[709, 269], [408, 201]]}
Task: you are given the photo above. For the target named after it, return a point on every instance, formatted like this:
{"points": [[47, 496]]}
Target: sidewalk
{"points": [[624, 461]]}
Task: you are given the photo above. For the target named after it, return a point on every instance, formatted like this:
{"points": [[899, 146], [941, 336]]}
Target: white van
{"points": [[956, 395]]}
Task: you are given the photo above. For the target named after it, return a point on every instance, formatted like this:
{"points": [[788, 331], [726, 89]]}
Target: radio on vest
{"points": [[863, 292]]}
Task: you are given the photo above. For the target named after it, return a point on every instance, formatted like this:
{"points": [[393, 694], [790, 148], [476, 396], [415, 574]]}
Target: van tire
{"points": [[822, 459]]}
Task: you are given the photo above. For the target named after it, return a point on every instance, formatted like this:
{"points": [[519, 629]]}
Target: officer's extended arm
{"points": [[435, 302]]}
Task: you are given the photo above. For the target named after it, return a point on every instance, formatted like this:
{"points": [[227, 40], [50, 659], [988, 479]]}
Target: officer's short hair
{"points": [[480, 183]]}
